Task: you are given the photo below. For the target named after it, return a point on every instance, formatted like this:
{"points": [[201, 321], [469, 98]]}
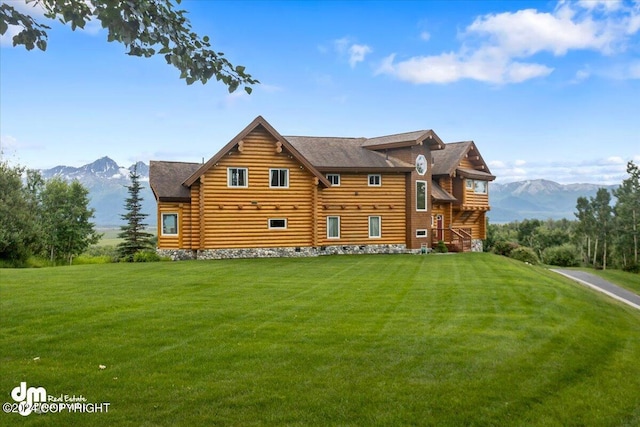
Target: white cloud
{"points": [[354, 51], [520, 162], [425, 36], [357, 52], [497, 47]]}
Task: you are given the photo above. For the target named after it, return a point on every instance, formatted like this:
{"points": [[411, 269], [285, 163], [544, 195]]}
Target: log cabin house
{"points": [[264, 194]]}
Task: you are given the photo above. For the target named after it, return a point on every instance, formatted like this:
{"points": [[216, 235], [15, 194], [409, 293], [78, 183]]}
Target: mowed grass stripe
{"points": [[471, 339]]}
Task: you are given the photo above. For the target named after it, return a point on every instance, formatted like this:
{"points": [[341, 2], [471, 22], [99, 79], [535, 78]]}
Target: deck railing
{"points": [[456, 239]]}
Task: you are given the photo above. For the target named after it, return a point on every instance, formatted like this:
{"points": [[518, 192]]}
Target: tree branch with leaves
{"points": [[145, 27]]}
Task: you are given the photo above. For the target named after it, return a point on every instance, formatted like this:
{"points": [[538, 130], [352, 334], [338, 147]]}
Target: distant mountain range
{"points": [[537, 198], [107, 183]]}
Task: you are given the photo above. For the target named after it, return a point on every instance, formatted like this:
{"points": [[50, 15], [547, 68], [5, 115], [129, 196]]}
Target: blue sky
{"points": [[545, 89]]}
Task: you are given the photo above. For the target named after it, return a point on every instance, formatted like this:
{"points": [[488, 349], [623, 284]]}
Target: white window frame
{"points": [[230, 174], [328, 227], [421, 233], [286, 177], [468, 184], [331, 177], [379, 179], [426, 200], [271, 227], [483, 189], [165, 214], [371, 236]]}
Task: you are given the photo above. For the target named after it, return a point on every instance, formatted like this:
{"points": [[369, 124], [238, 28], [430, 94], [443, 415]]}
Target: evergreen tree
{"points": [[135, 238]]}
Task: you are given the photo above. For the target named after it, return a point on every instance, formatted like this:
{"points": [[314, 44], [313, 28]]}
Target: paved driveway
{"points": [[599, 284]]}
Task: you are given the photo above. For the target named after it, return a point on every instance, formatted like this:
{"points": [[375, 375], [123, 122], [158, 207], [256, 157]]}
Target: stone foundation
{"points": [[204, 254], [477, 245]]}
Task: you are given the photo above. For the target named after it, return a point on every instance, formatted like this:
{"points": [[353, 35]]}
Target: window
{"points": [[374, 226], [421, 195], [334, 179], [277, 223], [421, 233], [375, 181], [237, 177], [279, 178], [333, 227], [480, 187], [169, 224]]}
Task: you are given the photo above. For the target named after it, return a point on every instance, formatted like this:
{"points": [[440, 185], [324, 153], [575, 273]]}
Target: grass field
{"points": [[468, 339]]}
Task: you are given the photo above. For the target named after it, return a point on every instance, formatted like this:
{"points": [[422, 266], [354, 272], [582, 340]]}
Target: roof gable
{"points": [[258, 121], [448, 161]]}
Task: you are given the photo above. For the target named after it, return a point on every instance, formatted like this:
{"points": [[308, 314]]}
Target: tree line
{"points": [[52, 219], [603, 235]]}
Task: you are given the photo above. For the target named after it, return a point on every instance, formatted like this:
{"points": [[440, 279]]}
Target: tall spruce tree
{"points": [[135, 238]]}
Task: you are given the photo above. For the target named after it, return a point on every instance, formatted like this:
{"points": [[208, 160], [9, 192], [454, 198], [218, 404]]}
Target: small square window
{"points": [[237, 177], [169, 224], [277, 223], [279, 178], [334, 179], [421, 233], [469, 183], [375, 180]]}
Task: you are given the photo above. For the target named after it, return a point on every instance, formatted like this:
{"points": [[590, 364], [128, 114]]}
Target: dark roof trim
{"points": [[408, 139], [476, 174], [258, 121]]}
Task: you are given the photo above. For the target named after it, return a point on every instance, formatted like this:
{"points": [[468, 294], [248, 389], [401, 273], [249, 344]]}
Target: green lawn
{"points": [[468, 339]]}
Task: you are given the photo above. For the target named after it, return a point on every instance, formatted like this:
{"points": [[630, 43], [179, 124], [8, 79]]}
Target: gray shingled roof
{"points": [[329, 153], [397, 138], [440, 194], [446, 161], [166, 178]]}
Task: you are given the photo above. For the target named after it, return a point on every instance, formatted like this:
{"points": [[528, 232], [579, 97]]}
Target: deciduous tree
{"points": [[627, 218]]}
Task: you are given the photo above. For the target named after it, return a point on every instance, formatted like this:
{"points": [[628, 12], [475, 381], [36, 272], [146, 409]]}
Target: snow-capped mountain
{"points": [[107, 184], [537, 198]]}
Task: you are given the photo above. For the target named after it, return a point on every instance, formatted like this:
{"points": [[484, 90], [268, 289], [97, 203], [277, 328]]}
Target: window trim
{"points": [[337, 175], [162, 216], [485, 185], [426, 199], [371, 175], [338, 218], [421, 236], [469, 184], [269, 225], [271, 171], [379, 227], [246, 177]]}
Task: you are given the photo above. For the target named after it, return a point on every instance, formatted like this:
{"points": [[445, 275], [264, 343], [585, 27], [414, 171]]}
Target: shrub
{"points": [[524, 254], [504, 247], [146, 256], [92, 259], [564, 255], [441, 248]]}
